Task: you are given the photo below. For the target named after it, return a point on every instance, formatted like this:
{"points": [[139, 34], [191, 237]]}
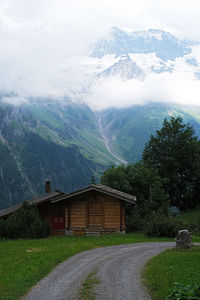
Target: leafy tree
{"points": [[117, 178], [175, 152], [144, 183]]}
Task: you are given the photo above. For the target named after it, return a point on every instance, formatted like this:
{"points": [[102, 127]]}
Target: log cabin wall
{"points": [[94, 212], [123, 217], [78, 211], [76, 215], [112, 217]]}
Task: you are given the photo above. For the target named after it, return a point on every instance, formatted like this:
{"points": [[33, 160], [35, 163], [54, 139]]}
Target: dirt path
{"points": [[118, 268]]}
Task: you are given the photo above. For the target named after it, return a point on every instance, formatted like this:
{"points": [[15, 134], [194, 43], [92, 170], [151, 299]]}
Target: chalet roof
{"points": [[56, 196], [103, 189], [37, 200]]}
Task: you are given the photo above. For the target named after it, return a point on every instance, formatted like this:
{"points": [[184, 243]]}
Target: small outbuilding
{"points": [[94, 210]]}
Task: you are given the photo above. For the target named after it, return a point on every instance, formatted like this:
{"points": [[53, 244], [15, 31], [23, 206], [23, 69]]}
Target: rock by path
{"points": [[118, 268]]}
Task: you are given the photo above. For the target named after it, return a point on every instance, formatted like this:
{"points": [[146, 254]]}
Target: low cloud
{"points": [[38, 37], [174, 87], [14, 100]]}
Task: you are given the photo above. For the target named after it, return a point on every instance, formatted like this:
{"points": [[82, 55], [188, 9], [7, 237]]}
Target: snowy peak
{"points": [[162, 43], [138, 54], [125, 68]]}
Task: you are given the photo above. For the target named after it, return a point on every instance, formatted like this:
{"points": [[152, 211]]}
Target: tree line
{"points": [[167, 175]]}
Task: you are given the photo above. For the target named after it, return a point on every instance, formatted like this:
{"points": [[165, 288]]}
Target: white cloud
{"points": [[38, 37], [14, 100], [177, 87]]}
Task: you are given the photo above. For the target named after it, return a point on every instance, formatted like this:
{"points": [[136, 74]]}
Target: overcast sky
{"points": [[37, 37]]}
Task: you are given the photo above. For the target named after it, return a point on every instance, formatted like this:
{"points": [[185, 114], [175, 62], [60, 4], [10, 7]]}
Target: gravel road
{"points": [[118, 268]]}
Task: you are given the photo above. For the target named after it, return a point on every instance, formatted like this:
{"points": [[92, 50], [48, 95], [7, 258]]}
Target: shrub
{"points": [[134, 221], [138, 218], [180, 292], [160, 225], [25, 223]]}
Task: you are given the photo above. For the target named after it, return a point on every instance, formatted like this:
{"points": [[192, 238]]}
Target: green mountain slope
{"points": [[72, 124], [130, 128], [67, 143], [47, 141]]}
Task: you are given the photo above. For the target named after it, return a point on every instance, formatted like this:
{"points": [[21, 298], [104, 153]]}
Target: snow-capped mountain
{"points": [[137, 54], [125, 68], [163, 44]]}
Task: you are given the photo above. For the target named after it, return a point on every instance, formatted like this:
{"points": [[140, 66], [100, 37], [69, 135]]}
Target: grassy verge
{"points": [[196, 239], [25, 262], [191, 216], [87, 292], [172, 266]]}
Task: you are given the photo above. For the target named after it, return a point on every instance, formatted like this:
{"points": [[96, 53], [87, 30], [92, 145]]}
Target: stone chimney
{"points": [[47, 187]]}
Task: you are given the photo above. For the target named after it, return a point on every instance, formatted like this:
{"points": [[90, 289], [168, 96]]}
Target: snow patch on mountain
{"points": [[162, 43], [133, 67]]}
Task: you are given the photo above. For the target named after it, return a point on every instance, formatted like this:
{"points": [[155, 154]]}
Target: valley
{"points": [[106, 118], [108, 141], [69, 143]]}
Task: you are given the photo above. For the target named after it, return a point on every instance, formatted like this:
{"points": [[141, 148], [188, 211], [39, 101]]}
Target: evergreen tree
{"points": [[175, 152]]}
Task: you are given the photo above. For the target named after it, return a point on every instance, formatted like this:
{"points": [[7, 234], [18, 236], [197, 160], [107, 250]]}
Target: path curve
{"points": [[119, 270]]}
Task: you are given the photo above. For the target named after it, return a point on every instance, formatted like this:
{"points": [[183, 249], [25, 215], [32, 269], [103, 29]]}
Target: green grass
{"points": [[87, 292], [49, 118], [21, 269], [92, 139], [173, 265], [196, 239], [24, 262], [191, 216]]}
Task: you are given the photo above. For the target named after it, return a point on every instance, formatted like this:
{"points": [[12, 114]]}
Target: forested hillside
{"points": [[67, 143]]}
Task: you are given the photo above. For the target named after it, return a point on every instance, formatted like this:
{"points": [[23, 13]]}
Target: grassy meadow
{"points": [[173, 265], [24, 262]]}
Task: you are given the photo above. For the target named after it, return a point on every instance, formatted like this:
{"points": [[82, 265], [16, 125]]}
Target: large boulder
{"points": [[183, 239]]}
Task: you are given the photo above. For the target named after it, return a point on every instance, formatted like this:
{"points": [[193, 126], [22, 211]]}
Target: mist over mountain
{"points": [[130, 82], [141, 67]]}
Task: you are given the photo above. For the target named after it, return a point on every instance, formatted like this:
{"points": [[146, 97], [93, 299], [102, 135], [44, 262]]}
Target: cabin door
{"points": [[95, 214], [58, 223]]}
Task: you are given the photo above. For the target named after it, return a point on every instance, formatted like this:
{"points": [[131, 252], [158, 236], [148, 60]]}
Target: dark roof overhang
{"points": [[103, 189], [48, 197]]}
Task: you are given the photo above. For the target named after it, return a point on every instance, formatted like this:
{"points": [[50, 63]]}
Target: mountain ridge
{"points": [[151, 40], [34, 149]]}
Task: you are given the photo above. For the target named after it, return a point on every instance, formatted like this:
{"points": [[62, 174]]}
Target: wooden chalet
{"points": [[94, 210]]}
